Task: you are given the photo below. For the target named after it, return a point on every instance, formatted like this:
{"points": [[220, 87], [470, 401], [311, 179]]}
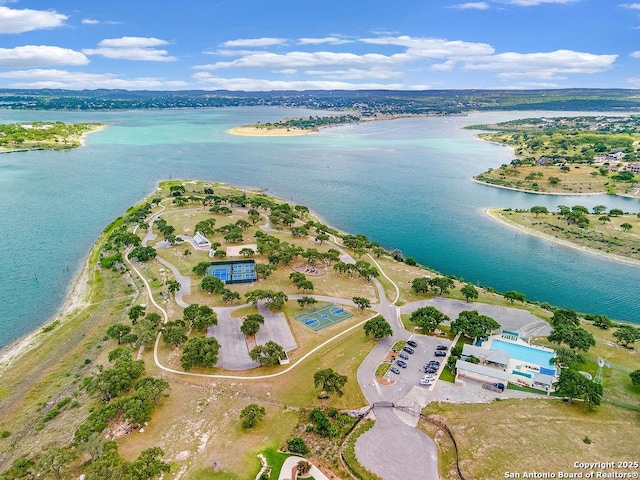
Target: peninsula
{"points": [[208, 313], [567, 155], [21, 137]]}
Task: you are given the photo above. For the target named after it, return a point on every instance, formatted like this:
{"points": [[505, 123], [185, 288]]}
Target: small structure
{"points": [[201, 241], [480, 373]]}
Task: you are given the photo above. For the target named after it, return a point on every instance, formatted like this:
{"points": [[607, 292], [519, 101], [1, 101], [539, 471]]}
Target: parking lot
{"points": [[410, 376]]}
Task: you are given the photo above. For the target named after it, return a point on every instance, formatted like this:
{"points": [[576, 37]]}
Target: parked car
{"points": [[430, 370], [426, 383], [499, 385], [429, 377], [433, 362], [440, 353], [442, 347], [408, 349], [395, 370], [412, 343], [404, 355], [401, 363]]}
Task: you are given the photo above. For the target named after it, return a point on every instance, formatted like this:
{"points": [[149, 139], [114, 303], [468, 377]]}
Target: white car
{"points": [[426, 383], [429, 377]]}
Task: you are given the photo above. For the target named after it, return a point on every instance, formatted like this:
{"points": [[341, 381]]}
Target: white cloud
{"points": [[544, 65], [25, 20], [323, 40], [634, 81], [286, 71], [533, 3], [302, 60], [636, 54], [444, 67], [253, 84], [29, 56], [93, 21], [132, 48], [418, 47], [472, 6], [356, 73], [255, 42], [632, 6], [39, 78], [229, 52]]}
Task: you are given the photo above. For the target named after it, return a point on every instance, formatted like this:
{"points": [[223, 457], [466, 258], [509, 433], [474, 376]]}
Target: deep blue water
{"points": [[404, 183]]}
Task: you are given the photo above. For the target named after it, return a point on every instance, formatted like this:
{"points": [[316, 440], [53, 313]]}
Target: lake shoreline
{"points": [[494, 213]]}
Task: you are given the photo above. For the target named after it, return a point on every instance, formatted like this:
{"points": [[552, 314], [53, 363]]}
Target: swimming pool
{"points": [[524, 353]]}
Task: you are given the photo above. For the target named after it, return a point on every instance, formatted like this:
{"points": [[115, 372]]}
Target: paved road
{"points": [[396, 451]]}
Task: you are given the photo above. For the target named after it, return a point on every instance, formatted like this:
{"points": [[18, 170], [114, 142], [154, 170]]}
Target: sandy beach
{"points": [[83, 137], [269, 132], [496, 215], [75, 300]]}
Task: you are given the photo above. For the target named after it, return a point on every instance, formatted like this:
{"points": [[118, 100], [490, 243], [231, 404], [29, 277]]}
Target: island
{"points": [[294, 126], [567, 155], [22, 137], [218, 332]]}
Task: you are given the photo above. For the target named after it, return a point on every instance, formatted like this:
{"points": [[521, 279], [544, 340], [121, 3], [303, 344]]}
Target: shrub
{"points": [[297, 445]]}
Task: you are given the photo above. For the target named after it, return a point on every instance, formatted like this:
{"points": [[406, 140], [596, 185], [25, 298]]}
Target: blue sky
{"points": [[333, 44]]}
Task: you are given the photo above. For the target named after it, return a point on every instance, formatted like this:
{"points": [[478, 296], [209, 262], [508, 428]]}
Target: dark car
{"points": [[404, 355], [408, 349], [499, 385], [395, 370], [401, 363], [440, 353], [442, 347], [435, 363], [412, 343], [430, 370]]}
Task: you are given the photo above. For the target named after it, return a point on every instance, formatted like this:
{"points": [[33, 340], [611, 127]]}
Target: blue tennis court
{"points": [[322, 317], [235, 271]]}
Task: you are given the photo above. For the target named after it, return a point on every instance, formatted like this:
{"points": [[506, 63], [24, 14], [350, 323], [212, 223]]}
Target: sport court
{"points": [[241, 271], [322, 317]]}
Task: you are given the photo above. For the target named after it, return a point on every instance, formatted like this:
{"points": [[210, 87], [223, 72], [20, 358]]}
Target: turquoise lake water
{"points": [[404, 183]]}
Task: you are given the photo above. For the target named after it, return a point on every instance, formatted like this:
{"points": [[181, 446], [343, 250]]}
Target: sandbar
{"points": [[249, 131]]}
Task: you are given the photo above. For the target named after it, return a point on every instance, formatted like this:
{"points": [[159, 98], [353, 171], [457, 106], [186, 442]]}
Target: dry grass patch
{"points": [[536, 435]]}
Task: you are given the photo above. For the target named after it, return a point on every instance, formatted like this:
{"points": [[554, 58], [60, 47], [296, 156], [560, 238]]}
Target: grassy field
{"points": [[607, 237], [536, 435], [43, 135]]}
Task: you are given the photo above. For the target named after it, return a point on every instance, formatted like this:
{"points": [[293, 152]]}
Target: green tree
{"points": [[200, 316], [173, 286], [362, 303], [229, 296], [635, 377], [515, 296], [469, 292], [212, 284], [626, 226], [599, 209], [377, 328], [251, 324], [276, 301], [574, 337], [306, 302], [143, 254], [554, 180], [118, 331], [537, 210], [136, 312], [473, 325], [600, 321], [441, 285], [303, 467], [21, 468], [55, 459], [567, 358], [200, 351], [572, 384], [174, 336], [564, 316], [615, 212], [297, 445], [604, 219], [627, 335], [247, 252], [329, 381], [201, 268], [251, 415], [148, 465], [428, 318], [263, 270], [268, 354]]}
